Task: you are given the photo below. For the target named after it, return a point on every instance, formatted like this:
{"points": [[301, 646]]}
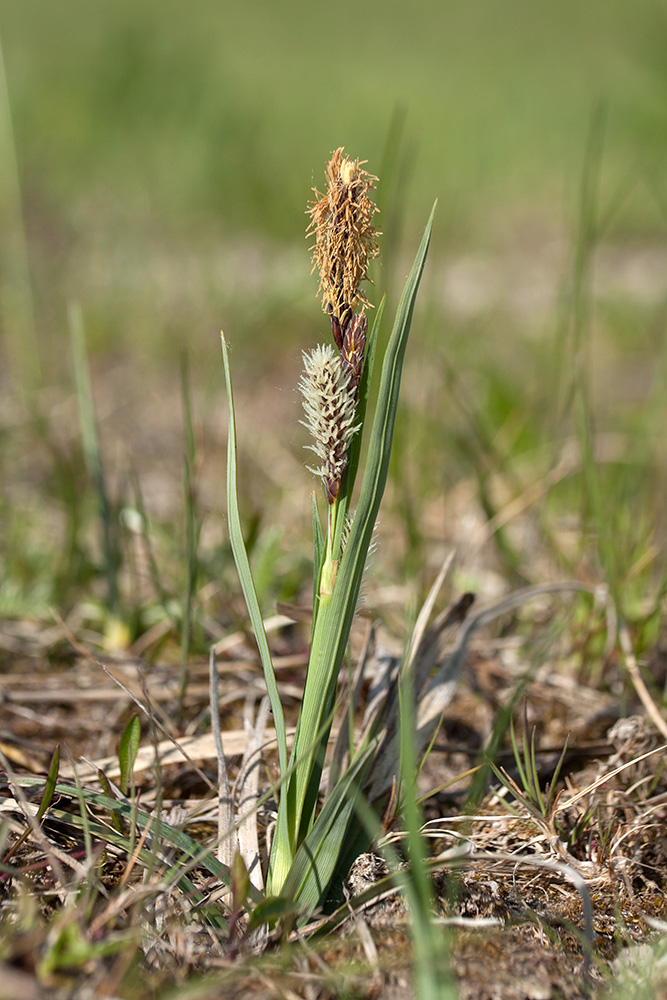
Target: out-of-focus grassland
{"points": [[165, 150]]}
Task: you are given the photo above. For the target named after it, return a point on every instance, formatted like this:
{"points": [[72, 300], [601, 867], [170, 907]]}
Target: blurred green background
{"points": [[165, 150], [155, 163]]}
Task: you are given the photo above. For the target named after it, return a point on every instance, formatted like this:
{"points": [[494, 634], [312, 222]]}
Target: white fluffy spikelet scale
{"points": [[329, 405]]}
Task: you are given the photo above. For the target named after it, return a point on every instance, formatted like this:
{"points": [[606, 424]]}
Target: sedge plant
{"points": [[310, 835]]}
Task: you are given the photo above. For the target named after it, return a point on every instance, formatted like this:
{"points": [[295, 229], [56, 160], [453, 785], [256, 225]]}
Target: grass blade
{"points": [[127, 752], [318, 553], [192, 853], [192, 535], [432, 980], [93, 457], [45, 802], [51, 779], [317, 857], [244, 571]]}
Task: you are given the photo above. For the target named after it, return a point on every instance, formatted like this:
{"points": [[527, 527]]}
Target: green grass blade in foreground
{"points": [[47, 798], [335, 615], [193, 855], [245, 574], [51, 780], [432, 976], [319, 546]]}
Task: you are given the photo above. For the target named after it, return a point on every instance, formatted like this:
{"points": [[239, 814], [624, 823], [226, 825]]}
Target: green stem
{"points": [[330, 564]]}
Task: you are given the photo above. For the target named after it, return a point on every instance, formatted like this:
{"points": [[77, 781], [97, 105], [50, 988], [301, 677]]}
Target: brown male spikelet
{"points": [[344, 240]]}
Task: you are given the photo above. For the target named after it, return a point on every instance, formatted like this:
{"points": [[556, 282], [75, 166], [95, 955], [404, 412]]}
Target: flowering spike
{"points": [[344, 239], [329, 404]]}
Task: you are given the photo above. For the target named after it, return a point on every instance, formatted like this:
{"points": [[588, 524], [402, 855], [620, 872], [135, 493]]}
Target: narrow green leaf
{"points": [[192, 854], [47, 795], [51, 779], [93, 455], [127, 752], [245, 575], [421, 889], [240, 882], [551, 797], [85, 818], [534, 776], [318, 553], [285, 841], [430, 945], [106, 788], [517, 757], [377, 464]]}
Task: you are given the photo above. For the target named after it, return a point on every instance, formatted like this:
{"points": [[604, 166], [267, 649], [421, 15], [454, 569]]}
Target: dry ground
{"points": [[513, 879], [512, 895]]}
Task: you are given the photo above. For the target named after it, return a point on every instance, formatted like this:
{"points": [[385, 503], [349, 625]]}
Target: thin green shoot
{"points": [[192, 534], [127, 753], [185, 854], [16, 296], [244, 571], [432, 976], [45, 802], [94, 464], [527, 791]]}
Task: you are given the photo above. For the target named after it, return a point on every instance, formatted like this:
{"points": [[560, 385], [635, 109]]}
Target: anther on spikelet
{"points": [[329, 402], [345, 239]]}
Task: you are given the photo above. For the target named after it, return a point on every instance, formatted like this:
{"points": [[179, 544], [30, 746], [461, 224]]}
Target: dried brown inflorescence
{"points": [[345, 240]]}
